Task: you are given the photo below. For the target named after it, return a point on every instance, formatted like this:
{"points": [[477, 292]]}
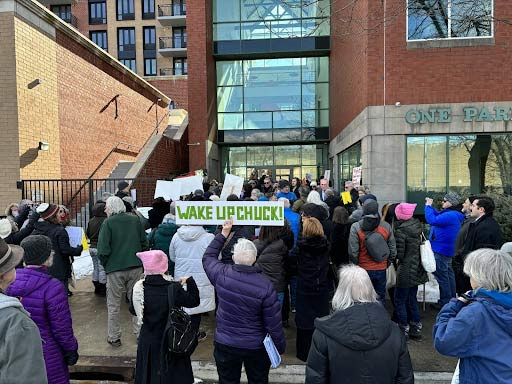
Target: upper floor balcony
{"points": [[174, 14], [172, 46], [58, 2]]}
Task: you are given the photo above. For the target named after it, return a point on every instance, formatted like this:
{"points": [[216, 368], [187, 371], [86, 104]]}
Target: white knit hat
{"points": [[5, 228]]}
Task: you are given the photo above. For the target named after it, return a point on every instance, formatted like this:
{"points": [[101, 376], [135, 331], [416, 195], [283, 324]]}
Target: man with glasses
{"points": [[267, 186], [445, 226]]}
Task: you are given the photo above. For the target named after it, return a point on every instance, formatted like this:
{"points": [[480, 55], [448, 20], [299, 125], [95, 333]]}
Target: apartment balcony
{"points": [[172, 46], [173, 15], [172, 72], [58, 2]]}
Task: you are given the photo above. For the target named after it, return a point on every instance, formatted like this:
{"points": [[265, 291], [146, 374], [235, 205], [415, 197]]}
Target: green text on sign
{"points": [[242, 212]]}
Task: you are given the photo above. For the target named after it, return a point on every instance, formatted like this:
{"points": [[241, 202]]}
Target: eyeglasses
{"points": [[267, 182]]}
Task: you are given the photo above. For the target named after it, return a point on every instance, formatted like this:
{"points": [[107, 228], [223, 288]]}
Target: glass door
{"points": [[283, 174]]}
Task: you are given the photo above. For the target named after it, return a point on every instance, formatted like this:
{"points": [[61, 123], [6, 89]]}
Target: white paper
{"points": [[356, 176], [189, 184], [144, 211], [75, 236], [273, 354], [233, 185], [327, 174], [133, 192], [168, 190]]}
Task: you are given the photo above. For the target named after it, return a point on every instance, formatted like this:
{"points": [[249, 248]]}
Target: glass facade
{"points": [[279, 161], [272, 100], [466, 164], [347, 161], [269, 19]]}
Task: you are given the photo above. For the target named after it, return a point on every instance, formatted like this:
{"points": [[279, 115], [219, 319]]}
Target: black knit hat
{"points": [[122, 185], [37, 249]]}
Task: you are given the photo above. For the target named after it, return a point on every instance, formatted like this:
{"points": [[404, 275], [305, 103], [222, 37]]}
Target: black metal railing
{"points": [[80, 195], [172, 72], [175, 9], [172, 42]]}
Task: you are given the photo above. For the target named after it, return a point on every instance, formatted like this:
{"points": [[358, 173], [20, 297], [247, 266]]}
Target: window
{"points": [[179, 37], [347, 161], [125, 10], [149, 38], [149, 67], [99, 38], [126, 47], [97, 12], [148, 9], [449, 19], [179, 8], [63, 11], [271, 100], [466, 164], [180, 66]]}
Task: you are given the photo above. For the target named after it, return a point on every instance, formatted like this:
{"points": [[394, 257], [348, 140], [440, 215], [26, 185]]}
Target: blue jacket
{"points": [[445, 228], [480, 334], [294, 221], [290, 196], [247, 302]]}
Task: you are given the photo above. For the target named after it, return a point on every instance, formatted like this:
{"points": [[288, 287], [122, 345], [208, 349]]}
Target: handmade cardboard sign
{"points": [[269, 213]]}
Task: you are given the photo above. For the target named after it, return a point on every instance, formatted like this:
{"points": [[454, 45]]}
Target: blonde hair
{"points": [[312, 227]]}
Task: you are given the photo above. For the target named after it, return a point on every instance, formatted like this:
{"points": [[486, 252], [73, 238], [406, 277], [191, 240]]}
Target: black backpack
{"points": [[179, 335]]}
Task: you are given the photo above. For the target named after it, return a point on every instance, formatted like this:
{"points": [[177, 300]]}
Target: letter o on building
{"points": [[412, 116]]}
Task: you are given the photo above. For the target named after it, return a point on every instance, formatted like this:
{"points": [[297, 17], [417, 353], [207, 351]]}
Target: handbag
{"points": [[390, 276], [428, 261]]}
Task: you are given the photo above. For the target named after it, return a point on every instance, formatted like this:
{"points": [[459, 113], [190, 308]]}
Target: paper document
{"points": [[273, 354], [75, 236]]}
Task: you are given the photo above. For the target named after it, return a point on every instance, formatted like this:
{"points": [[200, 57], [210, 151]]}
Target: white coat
{"points": [[186, 250]]}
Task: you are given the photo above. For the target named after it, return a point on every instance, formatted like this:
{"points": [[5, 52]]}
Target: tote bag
{"points": [[428, 261]]}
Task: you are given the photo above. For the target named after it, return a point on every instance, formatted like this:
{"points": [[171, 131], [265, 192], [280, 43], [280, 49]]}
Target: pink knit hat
{"points": [[404, 211], [155, 262]]}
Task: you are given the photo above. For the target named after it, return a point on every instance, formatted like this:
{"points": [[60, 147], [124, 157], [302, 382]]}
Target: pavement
{"points": [[89, 315]]}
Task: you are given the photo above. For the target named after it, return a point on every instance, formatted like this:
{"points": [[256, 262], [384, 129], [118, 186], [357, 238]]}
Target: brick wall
{"points": [[414, 75], [9, 152], [87, 85], [169, 159], [175, 87]]}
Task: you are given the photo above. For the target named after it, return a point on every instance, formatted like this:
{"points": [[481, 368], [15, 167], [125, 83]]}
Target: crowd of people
{"points": [[326, 267]]}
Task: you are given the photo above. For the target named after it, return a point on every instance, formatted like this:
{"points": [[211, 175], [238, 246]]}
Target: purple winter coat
{"points": [[46, 300], [248, 308]]}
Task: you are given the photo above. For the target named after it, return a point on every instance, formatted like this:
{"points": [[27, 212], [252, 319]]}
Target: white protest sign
{"points": [[75, 236], [356, 176], [133, 192], [269, 213], [327, 175], [189, 184], [144, 211], [233, 185]]}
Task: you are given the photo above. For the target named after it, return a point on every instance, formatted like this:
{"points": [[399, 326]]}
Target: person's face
{"points": [[304, 217], [466, 206], [446, 204], [254, 195], [361, 193], [294, 182], [473, 283], [324, 184], [14, 212], [285, 189], [476, 211], [267, 183], [349, 187]]}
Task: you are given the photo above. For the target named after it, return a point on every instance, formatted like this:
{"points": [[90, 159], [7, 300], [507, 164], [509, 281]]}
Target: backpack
{"points": [[179, 335], [376, 245]]}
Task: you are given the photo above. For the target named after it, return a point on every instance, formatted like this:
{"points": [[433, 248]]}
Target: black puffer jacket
{"points": [[271, 258], [61, 268], [94, 225], [238, 232], [410, 271], [358, 345]]}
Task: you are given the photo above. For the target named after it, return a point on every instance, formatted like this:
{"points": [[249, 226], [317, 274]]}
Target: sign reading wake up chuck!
{"points": [[444, 115], [269, 213]]}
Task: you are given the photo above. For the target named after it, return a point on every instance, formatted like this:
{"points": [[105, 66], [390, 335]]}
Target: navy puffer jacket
{"points": [[248, 308]]}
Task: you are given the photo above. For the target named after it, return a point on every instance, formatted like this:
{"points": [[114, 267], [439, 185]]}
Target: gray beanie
{"points": [[452, 198], [37, 249], [370, 207]]}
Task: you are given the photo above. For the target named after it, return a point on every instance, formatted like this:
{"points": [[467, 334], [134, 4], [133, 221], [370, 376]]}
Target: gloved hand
{"points": [[71, 357], [33, 218]]}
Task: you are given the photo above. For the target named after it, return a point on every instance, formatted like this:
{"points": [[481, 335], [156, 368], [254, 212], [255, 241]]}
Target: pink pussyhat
{"points": [[155, 262], [404, 211]]}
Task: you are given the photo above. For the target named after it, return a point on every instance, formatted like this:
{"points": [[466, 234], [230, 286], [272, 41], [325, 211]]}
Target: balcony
{"points": [[172, 72], [173, 15], [172, 46], [58, 2]]}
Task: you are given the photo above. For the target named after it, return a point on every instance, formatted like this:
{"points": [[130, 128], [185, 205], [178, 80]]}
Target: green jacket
{"points": [[410, 272], [121, 237]]}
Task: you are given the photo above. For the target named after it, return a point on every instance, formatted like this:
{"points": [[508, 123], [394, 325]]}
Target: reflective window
{"points": [[97, 12], [125, 10], [347, 161], [99, 38], [288, 98], [441, 19], [270, 19]]}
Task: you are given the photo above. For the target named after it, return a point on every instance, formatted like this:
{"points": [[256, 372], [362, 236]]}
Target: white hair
{"points": [[286, 201], [244, 252], [490, 269], [115, 205], [354, 287], [314, 197]]}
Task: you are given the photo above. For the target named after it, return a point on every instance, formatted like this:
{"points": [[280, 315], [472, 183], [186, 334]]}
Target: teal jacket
{"points": [[160, 238], [121, 237]]}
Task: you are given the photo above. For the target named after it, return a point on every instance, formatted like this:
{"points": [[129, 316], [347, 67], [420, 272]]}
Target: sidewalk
{"points": [[90, 325]]}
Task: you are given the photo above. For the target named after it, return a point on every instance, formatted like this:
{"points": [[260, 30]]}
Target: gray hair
{"points": [[354, 287], [490, 269], [314, 197], [304, 191], [286, 201], [115, 205], [105, 196], [244, 252]]}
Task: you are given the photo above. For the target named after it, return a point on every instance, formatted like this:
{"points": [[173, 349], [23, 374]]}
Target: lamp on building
{"points": [[194, 144], [43, 146], [397, 104]]}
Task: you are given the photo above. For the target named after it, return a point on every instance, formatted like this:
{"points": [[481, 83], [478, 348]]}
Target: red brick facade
{"points": [[413, 75], [175, 88]]}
